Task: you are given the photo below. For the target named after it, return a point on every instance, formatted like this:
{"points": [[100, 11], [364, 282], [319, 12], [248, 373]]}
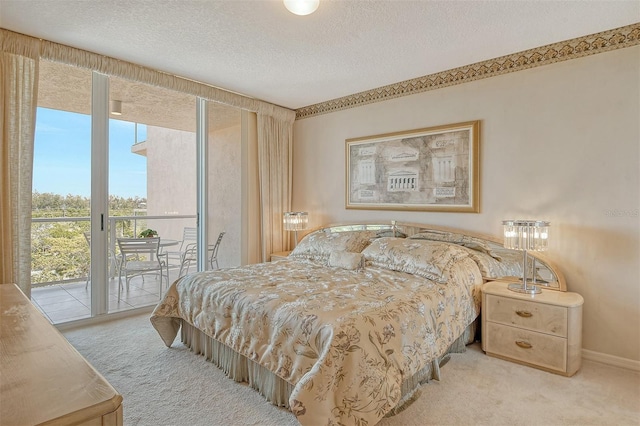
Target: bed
{"points": [[347, 328]]}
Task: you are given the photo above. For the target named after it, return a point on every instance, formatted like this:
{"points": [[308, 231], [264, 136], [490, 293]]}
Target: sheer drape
{"points": [[252, 234], [275, 140], [18, 101]]}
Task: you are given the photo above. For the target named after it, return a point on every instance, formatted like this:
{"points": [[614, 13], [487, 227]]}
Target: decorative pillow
{"points": [[460, 239], [428, 259], [346, 260], [510, 263], [319, 245], [490, 267]]}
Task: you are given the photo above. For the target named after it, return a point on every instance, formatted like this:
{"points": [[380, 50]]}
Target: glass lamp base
{"points": [[520, 288]]}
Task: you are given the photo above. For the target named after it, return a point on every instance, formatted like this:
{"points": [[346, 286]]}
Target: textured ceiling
{"points": [[69, 88], [261, 50]]}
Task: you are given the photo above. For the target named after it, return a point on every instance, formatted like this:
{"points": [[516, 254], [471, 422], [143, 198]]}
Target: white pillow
{"points": [[425, 258], [460, 239], [319, 245], [346, 260]]}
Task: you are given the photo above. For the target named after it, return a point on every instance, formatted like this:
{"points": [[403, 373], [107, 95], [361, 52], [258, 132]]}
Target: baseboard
{"points": [[612, 360]]}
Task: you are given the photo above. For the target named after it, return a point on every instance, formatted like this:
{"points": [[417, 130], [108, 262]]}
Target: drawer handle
{"points": [[523, 344], [524, 314]]}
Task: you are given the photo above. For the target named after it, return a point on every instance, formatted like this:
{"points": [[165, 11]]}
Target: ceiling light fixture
{"points": [[301, 7], [115, 107]]}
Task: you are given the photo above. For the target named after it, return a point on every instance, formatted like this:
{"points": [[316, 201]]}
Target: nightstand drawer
{"points": [[527, 346], [533, 316]]}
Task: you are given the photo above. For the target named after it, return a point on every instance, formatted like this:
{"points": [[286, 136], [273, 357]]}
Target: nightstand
{"points": [[281, 255], [542, 331]]}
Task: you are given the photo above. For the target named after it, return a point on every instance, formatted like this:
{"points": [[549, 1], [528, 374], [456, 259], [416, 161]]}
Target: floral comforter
{"points": [[345, 338]]}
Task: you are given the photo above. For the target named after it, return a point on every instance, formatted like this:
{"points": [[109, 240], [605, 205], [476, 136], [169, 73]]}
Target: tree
{"points": [[59, 250]]}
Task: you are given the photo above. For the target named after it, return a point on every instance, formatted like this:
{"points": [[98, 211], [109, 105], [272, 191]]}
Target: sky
{"points": [[62, 155]]}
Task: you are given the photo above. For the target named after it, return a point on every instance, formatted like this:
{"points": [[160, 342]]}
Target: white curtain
{"points": [[18, 101], [275, 144]]}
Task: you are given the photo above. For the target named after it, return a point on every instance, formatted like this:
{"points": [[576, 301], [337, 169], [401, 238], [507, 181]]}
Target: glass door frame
{"points": [[99, 211], [99, 193], [202, 175]]}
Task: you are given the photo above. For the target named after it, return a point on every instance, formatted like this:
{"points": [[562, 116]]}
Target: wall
{"points": [[558, 143], [171, 179]]}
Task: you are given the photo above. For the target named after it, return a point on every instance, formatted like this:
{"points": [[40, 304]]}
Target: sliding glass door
{"points": [[115, 158], [61, 201], [152, 182]]}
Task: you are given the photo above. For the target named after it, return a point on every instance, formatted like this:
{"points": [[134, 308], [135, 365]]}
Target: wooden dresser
{"points": [[43, 379], [542, 331]]}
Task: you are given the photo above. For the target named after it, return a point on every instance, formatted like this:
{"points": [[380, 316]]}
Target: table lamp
{"points": [[526, 235], [295, 221]]}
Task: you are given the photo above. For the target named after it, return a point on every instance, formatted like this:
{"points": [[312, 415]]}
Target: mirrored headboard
{"points": [[541, 270]]}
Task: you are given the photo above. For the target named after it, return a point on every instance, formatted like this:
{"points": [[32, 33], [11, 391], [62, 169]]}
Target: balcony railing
{"points": [[60, 253]]}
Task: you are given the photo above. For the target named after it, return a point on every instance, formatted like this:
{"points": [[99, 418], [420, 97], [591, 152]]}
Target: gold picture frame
{"points": [[431, 169]]}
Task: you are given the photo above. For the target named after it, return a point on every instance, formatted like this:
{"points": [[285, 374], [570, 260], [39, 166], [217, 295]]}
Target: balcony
{"points": [[72, 301], [62, 290]]}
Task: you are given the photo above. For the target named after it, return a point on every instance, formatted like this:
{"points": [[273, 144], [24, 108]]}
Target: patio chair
{"points": [[140, 256], [191, 255], [189, 236], [214, 251]]}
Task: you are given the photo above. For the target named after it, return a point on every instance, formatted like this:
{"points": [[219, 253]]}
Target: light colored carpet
{"points": [[174, 387]]}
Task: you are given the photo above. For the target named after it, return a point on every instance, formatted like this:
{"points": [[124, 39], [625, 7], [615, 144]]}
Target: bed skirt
{"points": [[277, 391]]}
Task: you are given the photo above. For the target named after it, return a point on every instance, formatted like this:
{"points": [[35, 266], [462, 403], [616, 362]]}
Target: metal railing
{"points": [[64, 257]]}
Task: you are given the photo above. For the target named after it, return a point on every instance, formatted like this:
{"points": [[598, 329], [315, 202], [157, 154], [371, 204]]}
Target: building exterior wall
{"points": [[171, 179], [171, 186]]}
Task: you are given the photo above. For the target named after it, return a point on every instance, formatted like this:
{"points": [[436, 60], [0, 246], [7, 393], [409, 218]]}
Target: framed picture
{"points": [[432, 169]]}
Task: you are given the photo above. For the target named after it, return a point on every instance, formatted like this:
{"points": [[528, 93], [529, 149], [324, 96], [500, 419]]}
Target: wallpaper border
{"points": [[605, 41]]}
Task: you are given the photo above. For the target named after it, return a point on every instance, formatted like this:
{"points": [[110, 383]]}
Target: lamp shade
{"points": [[526, 235], [301, 7], [531, 235], [295, 221]]}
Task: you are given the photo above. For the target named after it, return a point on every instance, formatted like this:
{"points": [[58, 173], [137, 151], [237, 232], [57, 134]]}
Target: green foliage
{"points": [[147, 233], [47, 204], [59, 250]]}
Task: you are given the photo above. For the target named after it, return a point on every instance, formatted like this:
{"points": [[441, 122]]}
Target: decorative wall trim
{"points": [[605, 41], [611, 360]]}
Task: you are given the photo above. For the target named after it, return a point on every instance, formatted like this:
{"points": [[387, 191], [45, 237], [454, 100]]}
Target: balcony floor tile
{"points": [[69, 314], [55, 298], [71, 301]]}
